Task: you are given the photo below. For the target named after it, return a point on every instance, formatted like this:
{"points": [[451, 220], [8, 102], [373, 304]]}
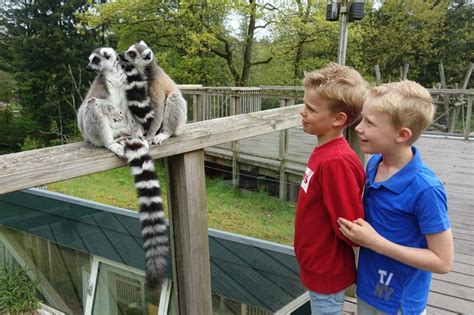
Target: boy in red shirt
{"points": [[331, 187]]}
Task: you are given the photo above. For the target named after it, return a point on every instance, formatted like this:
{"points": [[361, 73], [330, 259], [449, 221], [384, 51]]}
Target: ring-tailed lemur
{"points": [[152, 217], [104, 117], [105, 120], [136, 91], [168, 106]]}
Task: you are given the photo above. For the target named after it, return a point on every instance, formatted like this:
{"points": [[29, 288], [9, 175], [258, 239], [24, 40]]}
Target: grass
{"points": [[243, 212]]}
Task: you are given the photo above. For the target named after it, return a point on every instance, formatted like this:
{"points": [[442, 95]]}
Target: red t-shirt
{"points": [[331, 187]]}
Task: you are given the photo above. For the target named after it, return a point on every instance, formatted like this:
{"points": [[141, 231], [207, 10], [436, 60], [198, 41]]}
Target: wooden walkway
{"points": [[453, 162]]}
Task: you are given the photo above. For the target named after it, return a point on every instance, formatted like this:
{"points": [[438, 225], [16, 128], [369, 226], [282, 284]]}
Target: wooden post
{"points": [[467, 129], [199, 116], [353, 139], [378, 77], [189, 234], [195, 107], [282, 155], [235, 109], [405, 71], [455, 114], [442, 80]]}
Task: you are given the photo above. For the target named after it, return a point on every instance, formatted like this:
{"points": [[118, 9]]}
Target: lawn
{"points": [[243, 212]]}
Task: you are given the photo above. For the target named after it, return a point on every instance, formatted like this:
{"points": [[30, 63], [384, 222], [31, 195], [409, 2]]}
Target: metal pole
{"points": [[341, 55]]}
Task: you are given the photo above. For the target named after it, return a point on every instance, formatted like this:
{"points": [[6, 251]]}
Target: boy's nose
{"points": [[302, 112], [358, 128]]}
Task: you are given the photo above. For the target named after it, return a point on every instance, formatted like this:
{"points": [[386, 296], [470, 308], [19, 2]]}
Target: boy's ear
{"points": [[404, 135], [340, 120]]}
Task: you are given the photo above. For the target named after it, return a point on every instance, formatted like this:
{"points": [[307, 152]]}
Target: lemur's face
{"points": [[102, 59], [139, 54]]}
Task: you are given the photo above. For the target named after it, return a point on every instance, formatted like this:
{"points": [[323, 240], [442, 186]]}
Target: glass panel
{"points": [[60, 269], [122, 290]]}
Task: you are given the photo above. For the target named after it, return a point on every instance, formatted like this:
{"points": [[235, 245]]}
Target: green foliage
{"points": [[40, 44], [16, 126], [30, 143], [456, 46], [7, 87], [399, 33], [17, 291]]}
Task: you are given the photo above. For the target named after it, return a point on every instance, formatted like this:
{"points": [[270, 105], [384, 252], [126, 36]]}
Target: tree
{"points": [[195, 29], [399, 33], [303, 39], [456, 46], [39, 46]]}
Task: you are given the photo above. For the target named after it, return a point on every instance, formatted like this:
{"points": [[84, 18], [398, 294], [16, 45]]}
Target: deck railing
{"points": [[455, 105]]}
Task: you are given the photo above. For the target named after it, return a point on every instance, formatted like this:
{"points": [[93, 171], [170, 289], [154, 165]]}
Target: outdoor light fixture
{"points": [[332, 10], [349, 10], [356, 10]]}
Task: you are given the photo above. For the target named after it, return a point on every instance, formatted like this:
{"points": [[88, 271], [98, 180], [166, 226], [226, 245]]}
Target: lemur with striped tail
{"points": [[167, 105], [136, 91], [105, 119], [152, 217]]}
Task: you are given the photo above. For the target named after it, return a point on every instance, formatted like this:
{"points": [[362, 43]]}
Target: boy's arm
{"points": [[342, 195], [438, 257]]}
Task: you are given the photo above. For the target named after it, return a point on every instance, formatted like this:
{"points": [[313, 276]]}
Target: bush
{"points": [[17, 292]]}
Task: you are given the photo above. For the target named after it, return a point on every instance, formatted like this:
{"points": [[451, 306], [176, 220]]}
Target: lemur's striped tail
{"points": [[152, 219]]}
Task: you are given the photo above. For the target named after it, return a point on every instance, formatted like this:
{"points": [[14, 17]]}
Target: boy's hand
{"points": [[359, 231]]}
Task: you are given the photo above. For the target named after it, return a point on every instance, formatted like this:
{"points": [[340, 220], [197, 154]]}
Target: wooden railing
{"points": [[214, 102], [184, 160]]}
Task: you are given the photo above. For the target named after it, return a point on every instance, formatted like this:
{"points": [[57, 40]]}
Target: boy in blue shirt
{"points": [[406, 233]]}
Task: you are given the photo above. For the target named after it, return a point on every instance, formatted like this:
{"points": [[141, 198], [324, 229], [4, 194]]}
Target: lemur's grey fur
{"points": [[104, 117], [167, 103]]}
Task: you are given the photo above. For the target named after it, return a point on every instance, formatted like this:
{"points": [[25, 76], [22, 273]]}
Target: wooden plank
{"points": [[456, 278], [450, 303], [43, 166], [452, 289], [189, 238]]}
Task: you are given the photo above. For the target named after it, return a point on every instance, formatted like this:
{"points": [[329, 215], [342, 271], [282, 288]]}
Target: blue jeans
{"points": [[326, 304]]}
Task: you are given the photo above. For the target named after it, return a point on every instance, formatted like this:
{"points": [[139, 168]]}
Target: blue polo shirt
{"points": [[410, 204]]}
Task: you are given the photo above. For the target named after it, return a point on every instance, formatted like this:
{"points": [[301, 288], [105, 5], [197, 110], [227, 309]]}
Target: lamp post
{"points": [[348, 10]]}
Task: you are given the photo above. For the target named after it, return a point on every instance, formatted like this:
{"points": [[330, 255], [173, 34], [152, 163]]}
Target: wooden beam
{"points": [[189, 239], [43, 166]]}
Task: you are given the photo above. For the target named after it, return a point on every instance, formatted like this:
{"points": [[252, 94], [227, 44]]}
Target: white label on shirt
{"points": [[306, 178]]}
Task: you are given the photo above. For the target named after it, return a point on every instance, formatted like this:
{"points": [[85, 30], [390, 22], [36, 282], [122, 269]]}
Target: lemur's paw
{"points": [[117, 148], [159, 138]]}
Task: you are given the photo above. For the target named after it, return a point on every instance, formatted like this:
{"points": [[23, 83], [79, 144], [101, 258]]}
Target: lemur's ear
{"points": [[142, 42], [147, 56]]}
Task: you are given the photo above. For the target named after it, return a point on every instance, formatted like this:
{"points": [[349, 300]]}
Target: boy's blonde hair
{"points": [[408, 104], [343, 88]]}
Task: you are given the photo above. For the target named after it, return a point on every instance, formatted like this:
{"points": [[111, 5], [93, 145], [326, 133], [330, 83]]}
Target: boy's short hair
{"points": [[342, 86], [408, 104]]}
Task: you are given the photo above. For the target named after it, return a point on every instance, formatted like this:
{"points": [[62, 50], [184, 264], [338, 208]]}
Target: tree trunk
{"points": [[248, 45]]}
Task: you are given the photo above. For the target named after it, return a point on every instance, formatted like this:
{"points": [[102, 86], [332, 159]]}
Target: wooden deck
{"points": [[453, 162]]}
